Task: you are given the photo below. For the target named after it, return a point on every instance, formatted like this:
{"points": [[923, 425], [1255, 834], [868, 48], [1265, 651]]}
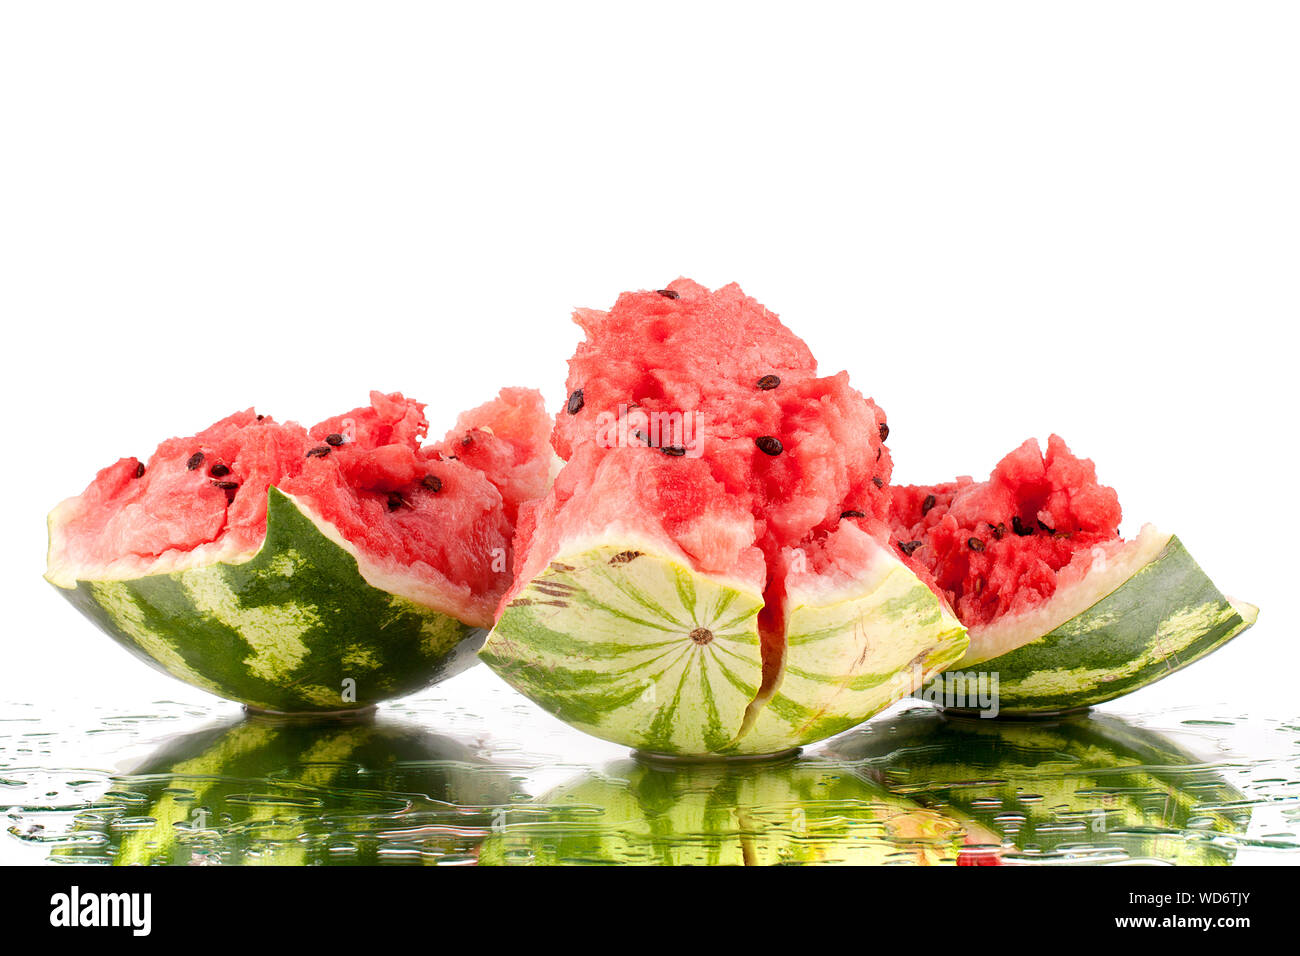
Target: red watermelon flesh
{"points": [[422, 521], [1004, 546], [695, 417], [507, 439]]}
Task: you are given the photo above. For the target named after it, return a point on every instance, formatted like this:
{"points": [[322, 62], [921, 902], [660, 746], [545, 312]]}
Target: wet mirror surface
{"points": [[432, 780]]}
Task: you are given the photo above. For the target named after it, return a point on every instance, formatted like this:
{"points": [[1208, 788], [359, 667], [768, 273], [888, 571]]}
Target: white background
{"points": [[1003, 218]]}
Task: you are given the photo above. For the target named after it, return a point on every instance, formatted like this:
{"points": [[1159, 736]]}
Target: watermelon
{"points": [[1062, 609], [307, 569], [1086, 788], [343, 790], [711, 573], [811, 811]]}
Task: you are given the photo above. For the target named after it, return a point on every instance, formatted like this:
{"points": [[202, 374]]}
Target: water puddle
{"points": [[432, 781]]}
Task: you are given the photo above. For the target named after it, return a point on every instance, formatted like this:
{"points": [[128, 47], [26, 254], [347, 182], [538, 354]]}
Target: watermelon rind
{"points": [[853, 651], [293, 628], [796, 812], [1086, 788], [1165, 616], [289, 791], [629, 643]]}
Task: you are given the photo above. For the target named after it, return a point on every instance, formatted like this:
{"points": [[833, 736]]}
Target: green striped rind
{"points": [[284, 630], [605, 643], [1087, 787], [1166, 616], [791, 813], [848, 660], [286, 791]]}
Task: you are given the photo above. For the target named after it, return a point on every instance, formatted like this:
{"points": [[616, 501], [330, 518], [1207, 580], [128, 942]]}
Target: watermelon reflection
{"points": [[803, 811], [360, 790], [1091, 788]]}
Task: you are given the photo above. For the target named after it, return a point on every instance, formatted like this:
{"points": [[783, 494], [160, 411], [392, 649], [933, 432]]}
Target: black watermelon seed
{"points": [[907, 547], [975, 544], [669, 293], [879, 452], [431, 482], [673, 451], [768, 382], [878, 482], [226, 485], [927, 504], [1018, 527], [769, 445], [1046, 528], [641, 436], [218, 470], [884, 431], [623, 557], [998, 529], [467, 440], [575, 402], [139, 469], [553, 588], [196, 459], [395, 501], [852, 513], [334, 439], [320, 451]]}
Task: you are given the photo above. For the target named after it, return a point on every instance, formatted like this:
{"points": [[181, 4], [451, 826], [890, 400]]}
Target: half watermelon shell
{"points": [[299, 570], [711, 573]]}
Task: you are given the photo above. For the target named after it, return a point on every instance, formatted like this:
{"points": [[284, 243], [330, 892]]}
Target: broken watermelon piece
{"points": [[1059, 606], [711, 572], [297, 569]]}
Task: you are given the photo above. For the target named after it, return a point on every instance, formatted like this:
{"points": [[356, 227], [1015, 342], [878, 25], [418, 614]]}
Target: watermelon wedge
{"points": [[711, 573], [298, 569], [1063, 610]]}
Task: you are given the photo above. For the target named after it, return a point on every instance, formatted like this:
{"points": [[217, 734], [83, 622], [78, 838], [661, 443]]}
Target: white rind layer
{"points": [[440, 595]]}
